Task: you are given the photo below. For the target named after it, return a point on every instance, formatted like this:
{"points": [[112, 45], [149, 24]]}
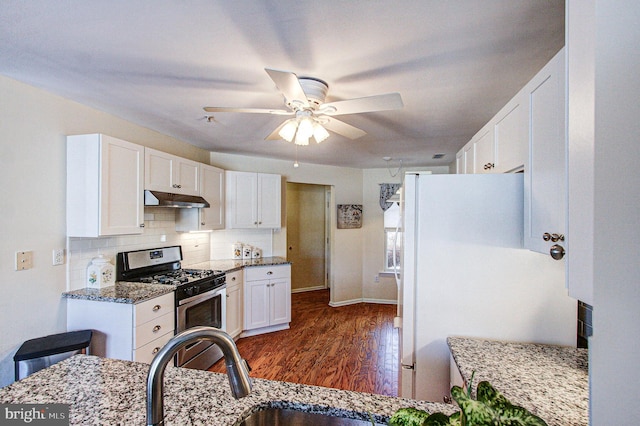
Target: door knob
{"points": [[557, 251]]}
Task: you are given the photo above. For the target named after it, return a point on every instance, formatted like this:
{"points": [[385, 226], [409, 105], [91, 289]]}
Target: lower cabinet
{"points": [[132, 332], [235, 303], [267, 299]]}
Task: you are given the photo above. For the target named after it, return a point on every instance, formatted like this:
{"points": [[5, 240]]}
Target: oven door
{"points": [[208, 309]]}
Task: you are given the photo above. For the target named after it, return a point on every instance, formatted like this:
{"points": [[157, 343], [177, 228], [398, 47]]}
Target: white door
{"points": [[257, 309], [269, 200], [212, 190], [186, 177], [280, 292], [241, 199]]}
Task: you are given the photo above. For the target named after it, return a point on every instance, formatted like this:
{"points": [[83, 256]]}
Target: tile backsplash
{"points": [[159, 231]]}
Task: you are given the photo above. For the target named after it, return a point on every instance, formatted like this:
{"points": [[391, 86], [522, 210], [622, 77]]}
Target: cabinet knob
{"points": [[546, 236], [142, 225], [202, 223], [156, 308], [156, 328], [270, 273], [155, 350], [557, 251], [557, 237]]}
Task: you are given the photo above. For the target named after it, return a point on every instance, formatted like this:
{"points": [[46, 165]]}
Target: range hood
{"points": [[165, 199]]}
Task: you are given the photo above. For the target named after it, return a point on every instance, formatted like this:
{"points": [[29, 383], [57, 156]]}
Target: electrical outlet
{"points": [[58, 257], [24, 260], [376, 278]]}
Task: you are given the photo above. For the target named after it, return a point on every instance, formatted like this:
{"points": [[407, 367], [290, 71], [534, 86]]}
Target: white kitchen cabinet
{"points": [[104, 186], [545, 176], [460, 162], [469, 158], [484, 150], [211, 189], [253, 200], [169, 173], [235, 303], [133, 332], [580, 28], [267, 299], [511, 136]]}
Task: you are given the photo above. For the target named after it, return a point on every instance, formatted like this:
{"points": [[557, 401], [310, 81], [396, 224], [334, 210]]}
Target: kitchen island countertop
{"points": [[104, 391], [550, 381]]}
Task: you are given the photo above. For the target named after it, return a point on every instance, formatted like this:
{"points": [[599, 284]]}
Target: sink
{"points": [[288, 417]]}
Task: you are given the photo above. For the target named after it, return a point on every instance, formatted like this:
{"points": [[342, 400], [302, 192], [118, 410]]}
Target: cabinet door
{"points": [[158, 170], [545, 186], [234, 310], [186, 177], [212, 190], [241, 199], [280, 301], [460, 162], [511, 140], [257, 311], [469, 159], [121, 192], [269, 200], [484, 152]]}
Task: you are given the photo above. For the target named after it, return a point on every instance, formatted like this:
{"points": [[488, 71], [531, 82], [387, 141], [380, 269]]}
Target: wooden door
{"points": [[306, 241]]}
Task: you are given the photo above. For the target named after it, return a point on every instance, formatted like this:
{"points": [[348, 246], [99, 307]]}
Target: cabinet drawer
{"points": [[267, 272], [151, 330], [147, 352], [234, 278], [159, 306]]}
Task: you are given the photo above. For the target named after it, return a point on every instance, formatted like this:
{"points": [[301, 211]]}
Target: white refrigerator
{"points": [[464, 272]]}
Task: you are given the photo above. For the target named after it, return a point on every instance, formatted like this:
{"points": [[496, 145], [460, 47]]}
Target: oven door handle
{"points": [[202, 297]]}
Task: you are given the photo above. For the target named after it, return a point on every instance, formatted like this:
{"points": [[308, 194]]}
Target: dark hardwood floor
{"points": [[351, 347]]}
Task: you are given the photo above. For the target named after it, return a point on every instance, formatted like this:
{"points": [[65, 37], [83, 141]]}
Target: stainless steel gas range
{"points": [[200, 296]]}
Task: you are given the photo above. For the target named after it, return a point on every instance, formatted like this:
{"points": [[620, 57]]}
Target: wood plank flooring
{"points": [[351, 347]]}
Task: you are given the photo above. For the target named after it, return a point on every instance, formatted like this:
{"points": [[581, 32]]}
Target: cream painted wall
{"points": [[373, 236], [345, 275], [33, 126]]}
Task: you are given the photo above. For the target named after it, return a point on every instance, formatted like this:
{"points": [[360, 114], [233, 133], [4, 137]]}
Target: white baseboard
{"points": [[362, 300], [305, 289], [263, 330]]}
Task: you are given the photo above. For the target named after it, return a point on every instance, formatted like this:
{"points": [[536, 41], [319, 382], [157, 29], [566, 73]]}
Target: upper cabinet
{"points": [[169, 173], [212, 189], [545, 173], [484, 151], [253, 200], [105, 179]]}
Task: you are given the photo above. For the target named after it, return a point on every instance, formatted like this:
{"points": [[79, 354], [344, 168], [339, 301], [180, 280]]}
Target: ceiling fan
{"points": [[305, 101]]}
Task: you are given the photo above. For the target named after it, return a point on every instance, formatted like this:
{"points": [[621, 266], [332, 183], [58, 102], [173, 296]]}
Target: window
{"points": [[392, 239]]}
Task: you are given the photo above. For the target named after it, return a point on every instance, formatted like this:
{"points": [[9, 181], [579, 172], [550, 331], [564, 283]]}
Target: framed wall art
{"points": [[349, 216]]}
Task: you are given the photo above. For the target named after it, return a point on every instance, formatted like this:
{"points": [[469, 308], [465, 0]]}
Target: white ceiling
{"points": [[158, 62]]}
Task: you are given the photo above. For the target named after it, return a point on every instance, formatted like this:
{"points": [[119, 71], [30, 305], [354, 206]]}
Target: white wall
{"points": [[373, 233], [33, 125], [346, 183], [615, 350]]}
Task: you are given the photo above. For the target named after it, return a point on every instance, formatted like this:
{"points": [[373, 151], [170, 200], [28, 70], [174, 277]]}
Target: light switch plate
{"points": [[24, 260]]}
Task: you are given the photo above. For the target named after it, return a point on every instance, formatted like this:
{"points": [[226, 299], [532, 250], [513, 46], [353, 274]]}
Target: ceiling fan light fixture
{"points": [[305, 131], [288, 131], [319, 133]]}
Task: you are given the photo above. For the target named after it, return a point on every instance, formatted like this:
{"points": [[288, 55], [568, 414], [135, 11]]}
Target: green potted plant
{"points": [[490, 408]]}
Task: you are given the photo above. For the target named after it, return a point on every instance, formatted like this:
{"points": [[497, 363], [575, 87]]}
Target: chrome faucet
{"points": [[236, 367]]}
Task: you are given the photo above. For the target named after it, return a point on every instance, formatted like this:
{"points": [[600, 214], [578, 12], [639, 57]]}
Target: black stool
{"points": [[36, 354]]}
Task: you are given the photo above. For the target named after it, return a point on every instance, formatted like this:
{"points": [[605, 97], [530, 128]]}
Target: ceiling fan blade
{"points": [[367, 104], [249, 110], [342, 128], [274, 136], [288, 83]]}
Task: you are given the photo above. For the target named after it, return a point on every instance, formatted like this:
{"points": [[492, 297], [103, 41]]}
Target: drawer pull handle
{"points": [[156, 308], [155, 350], [156, 328]]}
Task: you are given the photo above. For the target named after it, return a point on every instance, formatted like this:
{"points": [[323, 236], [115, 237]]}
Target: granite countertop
{"points": [[104, 391], [230, 265], [132, 292], [121, 292], [550, 381]]}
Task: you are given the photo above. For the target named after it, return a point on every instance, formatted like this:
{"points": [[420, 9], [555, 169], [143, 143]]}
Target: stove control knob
{"points": [[189, 291]]}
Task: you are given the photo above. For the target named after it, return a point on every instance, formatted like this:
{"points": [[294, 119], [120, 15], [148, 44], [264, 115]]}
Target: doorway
{"points": [[307, 237]]}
